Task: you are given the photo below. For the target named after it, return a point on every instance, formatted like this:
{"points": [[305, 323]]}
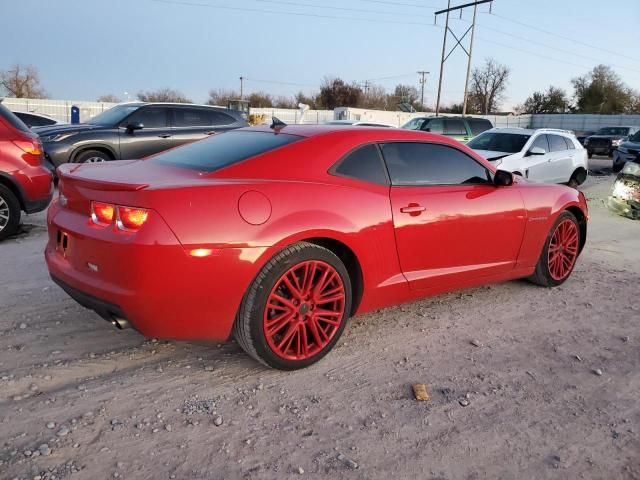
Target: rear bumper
{"points": [[148, 278]]}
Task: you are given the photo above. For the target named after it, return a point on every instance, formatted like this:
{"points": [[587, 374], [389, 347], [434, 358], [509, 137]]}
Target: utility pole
{"points": [[366, 86], [423, 79], [241, 87], [466, 82], [447, 30], [442, 59]]}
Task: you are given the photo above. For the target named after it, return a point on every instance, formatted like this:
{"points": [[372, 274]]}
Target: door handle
{"points": [[164, 135], [210, 133], [413, 209]]}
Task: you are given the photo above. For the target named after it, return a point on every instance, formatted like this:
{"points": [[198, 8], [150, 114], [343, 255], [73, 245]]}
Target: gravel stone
{"points": [[217, 421]]}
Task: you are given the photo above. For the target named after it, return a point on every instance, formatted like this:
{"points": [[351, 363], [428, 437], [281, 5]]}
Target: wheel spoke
{"points": [[563, 249], [276, 324]]}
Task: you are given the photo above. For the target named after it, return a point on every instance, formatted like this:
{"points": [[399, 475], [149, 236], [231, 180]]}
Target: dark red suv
{"points": [[25, 184]]}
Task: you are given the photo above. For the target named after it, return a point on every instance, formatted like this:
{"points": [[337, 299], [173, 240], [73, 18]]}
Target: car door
{"points": [[451, 222], [536, 167], [455, 127], [153, 137], [560, 163], [195, 123]]}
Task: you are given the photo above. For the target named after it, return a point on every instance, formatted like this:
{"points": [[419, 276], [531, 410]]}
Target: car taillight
{"points": [[102, 213], [130, 218], [31, 147]]}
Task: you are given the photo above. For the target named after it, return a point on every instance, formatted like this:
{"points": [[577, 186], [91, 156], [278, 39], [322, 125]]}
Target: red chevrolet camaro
{"points": [[276, 236]]}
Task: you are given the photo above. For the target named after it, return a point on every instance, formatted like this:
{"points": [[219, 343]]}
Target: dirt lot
{"points": [[550, 391]]}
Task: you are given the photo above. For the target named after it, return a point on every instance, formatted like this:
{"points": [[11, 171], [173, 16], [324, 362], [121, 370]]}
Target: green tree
{"points": [[601, 91], [553, 100]]}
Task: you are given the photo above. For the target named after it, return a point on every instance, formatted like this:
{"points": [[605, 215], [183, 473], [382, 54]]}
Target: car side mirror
{"points": [[536, 151], [131, 127], [502, 178]]}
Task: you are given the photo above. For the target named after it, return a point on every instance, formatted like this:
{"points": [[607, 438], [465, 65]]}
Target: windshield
{"points": [[113, 116], [635, 137], [223, 150], [613, 131], [415, 124], [499, 142]]}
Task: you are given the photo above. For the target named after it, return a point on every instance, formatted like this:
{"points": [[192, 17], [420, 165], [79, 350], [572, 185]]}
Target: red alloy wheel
{"points": [[304, 310], [563, 249]]}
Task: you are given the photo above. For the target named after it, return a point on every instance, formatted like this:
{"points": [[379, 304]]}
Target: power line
{"points": [[549, 46], [548, 32], [296, 14], [310, 5]]}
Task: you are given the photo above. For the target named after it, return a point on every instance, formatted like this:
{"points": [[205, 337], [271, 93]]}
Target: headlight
{"points": [[497, 163], [57, 137], [586, 141], [616, 142]]}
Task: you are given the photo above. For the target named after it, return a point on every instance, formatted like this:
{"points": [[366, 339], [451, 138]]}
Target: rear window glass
{"points": [[12, 120], [479, 125], [223, 150]]}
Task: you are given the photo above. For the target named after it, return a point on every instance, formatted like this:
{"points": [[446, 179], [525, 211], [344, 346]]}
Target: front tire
{"points": [[617, 166], [296, 308], [560, 252], [9, 213], [92, 156]]}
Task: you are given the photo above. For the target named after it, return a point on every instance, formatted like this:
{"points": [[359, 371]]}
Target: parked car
{"points": [[582, 135], [462, 129], [625, 194], [544, 154], [356, 123], [280, 252], [627, 151], [135, 130], [31, 119], [25, 184], [607, 139]]}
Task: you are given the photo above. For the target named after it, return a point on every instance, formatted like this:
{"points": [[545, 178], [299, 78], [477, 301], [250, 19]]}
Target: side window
{"points": [[541, 142], [149, 117], [431, 164], [453, 126], [479, 125], [433, 126], [364, 164], [191, 117], [556, 143], [219, 118], [569, 142]]}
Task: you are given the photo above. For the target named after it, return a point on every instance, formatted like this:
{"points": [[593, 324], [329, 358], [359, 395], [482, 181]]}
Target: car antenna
{"points": [[277, 124]]}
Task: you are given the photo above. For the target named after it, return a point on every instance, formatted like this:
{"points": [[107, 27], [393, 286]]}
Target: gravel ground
{"points": [[525, 382]]}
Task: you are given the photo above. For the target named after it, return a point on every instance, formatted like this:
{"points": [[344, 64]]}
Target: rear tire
{"points": [[92, 156], [296, 308], [559, 253], [9, 213], [616, 167]]}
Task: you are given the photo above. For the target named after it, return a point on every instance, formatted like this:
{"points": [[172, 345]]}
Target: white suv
{"points": [[543, 154]]}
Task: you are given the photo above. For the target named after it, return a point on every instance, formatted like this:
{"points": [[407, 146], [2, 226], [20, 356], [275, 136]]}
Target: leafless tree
{"points": [[488, 85], [221, 97], [163, 95], [22, 81], [109, 98]]}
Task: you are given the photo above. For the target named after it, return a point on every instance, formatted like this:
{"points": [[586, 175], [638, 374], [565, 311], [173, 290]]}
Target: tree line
{"points": [[599, 91]]}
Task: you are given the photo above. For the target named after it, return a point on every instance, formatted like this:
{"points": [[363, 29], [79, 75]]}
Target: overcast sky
{"points": [[86, 48]]}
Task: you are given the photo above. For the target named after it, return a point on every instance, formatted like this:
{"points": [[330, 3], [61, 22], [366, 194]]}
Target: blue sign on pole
{"points": [[75, 114]]}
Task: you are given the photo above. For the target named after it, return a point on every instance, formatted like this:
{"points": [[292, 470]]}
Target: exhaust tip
{"points": [[120, 323]]}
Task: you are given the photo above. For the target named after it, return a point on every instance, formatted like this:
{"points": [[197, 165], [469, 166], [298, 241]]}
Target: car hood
{"points": [[56, 129], [634, 145], [492, 155]]}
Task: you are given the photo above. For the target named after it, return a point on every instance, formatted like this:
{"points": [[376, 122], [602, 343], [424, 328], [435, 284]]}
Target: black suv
{"points": [[607, 139], [134, 130]]}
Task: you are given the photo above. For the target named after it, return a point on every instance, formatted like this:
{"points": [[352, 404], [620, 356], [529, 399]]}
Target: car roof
{"points": [[362, 132], [174, 104], [529, 131]]}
